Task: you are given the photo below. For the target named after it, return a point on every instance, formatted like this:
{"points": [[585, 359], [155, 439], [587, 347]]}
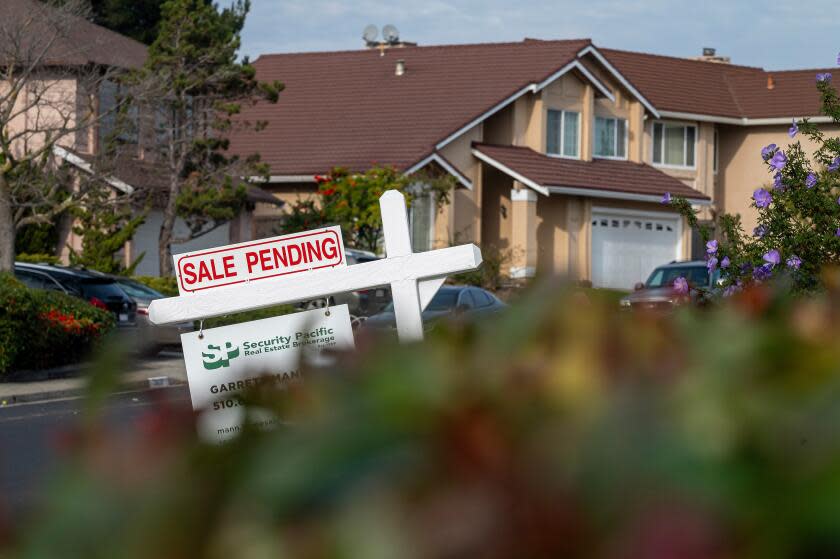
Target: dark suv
{"points": [[97, 289]]}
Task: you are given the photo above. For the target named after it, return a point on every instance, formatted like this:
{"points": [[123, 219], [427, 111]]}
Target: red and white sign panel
{"points": [[255, 260]]}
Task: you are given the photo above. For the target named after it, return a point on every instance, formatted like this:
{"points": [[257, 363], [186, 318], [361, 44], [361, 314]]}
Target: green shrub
{"points": [[41, 329], [168, 285], [490, 274], [574, 429], [38, 258]]}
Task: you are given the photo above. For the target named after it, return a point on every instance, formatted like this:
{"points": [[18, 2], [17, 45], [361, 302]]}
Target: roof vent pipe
{"points": [[400, 69], [771, 83]]}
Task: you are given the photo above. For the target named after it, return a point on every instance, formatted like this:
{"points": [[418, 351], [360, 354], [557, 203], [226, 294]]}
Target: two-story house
{"points": [[562, 151], [67, 70]]}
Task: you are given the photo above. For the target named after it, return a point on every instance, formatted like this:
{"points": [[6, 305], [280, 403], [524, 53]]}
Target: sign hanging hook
{"points": [[327, 306], [201, 329]]}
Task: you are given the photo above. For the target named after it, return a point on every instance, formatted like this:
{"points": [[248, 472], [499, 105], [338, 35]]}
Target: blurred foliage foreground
{"points": [[562, 429]]}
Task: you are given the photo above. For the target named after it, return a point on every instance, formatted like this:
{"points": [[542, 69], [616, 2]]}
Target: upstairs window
{"points": [[610, 137], [673, 144], [563, 133]]}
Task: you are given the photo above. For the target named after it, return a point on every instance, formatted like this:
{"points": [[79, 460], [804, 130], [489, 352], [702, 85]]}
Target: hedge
{"points": [[167, 285], [41, 329]]}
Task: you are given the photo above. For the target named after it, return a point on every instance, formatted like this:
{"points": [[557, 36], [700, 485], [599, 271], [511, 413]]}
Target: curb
{"points": [[80, 391]]}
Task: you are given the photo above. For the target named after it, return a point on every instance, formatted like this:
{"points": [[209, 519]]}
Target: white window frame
{"points": [[424, 193], [685, 125], [562, 134], [716, 151], [615, 147]]}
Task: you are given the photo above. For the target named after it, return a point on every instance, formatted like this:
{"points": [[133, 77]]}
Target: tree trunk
{"points": [[166, 230], [7, 227]]}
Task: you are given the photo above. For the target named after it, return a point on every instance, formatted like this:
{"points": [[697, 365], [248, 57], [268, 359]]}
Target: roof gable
{"points": [[341, 108], [715, 89]]}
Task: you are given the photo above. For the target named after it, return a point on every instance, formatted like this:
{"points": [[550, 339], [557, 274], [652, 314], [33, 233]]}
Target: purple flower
{"points": [[681, 286], [811, 180], [730, 291], [826, 77], [762, 198], [762, 272], [837, 233], [834, 165], [725, 262], [711, 247], [711, 264], [793, 129], [777, 181], [772, 257], [767, 151], [760, 231], [778, 160], [666, 199], [838, 200], [794, 262]]}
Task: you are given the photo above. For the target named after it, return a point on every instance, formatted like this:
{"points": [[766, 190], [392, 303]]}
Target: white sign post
{"points": [[414, 279]]}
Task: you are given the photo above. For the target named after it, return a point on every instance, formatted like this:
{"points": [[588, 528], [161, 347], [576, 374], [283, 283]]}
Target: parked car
{"points": [[658, 294], [152, 337], [360, 303], [94, 287], [450, 300]]}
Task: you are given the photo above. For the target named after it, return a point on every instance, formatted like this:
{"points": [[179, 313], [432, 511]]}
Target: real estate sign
{"points": [[223, 362], [202, 270]]}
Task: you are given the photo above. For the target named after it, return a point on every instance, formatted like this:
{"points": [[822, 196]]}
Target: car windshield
{"points": [[444, 300], [101, 289], [139, 291], [695, 275]]}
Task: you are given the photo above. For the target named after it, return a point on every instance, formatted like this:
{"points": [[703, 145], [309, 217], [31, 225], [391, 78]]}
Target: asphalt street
{"points": [[31, 435]]}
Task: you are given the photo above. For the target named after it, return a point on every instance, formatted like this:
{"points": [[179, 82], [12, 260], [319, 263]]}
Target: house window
{"points": [[610, 137], [673, 144], [115, 125], [715, 152], [422, 217], [563, 133]]}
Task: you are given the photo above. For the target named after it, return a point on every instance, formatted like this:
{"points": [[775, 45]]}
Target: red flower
{"points": [[329, 191]]}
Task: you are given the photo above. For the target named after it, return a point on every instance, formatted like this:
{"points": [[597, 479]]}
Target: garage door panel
{"points": [[626, 248]]}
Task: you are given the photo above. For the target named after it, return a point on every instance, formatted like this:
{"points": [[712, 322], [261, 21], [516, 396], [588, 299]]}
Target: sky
{"points": [[774, 34]]}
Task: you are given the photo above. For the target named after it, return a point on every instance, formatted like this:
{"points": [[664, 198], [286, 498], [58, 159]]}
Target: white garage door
{"points": [[626, 247]]}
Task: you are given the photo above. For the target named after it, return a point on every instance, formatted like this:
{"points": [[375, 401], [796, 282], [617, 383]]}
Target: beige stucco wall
{"points": [[742, 170]]}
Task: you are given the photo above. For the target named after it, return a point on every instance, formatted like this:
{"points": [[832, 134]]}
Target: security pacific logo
{"points": [[215, 357]]}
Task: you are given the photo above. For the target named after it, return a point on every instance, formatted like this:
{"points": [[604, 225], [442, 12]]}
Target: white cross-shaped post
{"points": [[414, 279]]}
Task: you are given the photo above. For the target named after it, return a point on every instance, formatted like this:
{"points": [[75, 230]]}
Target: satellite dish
{"points": [[390, 34], [370, 33]]}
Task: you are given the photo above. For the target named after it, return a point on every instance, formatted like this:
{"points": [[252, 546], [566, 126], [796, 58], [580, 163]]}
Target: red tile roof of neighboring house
{"points": [[350, 109], [620, 177], [710, 88], [59, 38]]}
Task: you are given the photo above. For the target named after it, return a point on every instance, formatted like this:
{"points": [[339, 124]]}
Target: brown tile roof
{"points": [[69, 40], [350, 109], [599, 174], [709, 88]]}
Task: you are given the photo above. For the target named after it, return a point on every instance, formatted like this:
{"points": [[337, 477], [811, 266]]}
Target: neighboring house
{"points": [[64, 53], [562, 151]]}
